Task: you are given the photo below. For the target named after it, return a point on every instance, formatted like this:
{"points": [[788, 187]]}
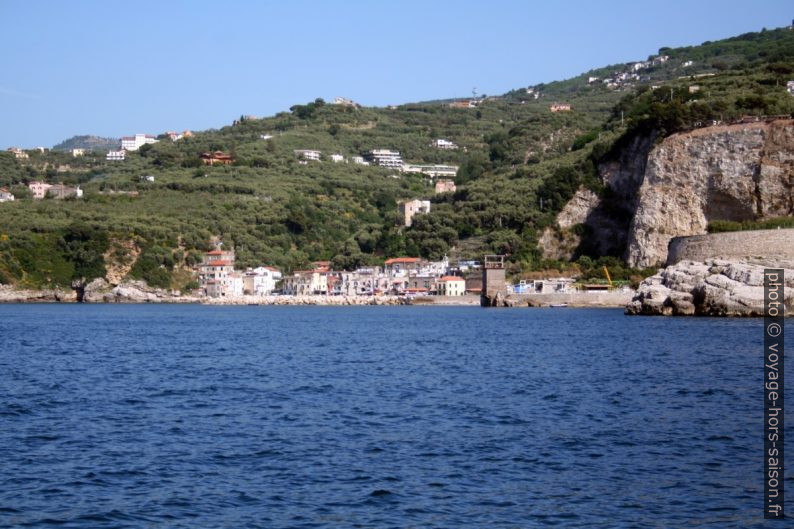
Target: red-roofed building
{"points": [[401, 265], [451, 286], [217, 276], [217, 157]]}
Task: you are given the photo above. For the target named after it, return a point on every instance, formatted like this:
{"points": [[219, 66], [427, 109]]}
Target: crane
{"points": [[609, 279]]}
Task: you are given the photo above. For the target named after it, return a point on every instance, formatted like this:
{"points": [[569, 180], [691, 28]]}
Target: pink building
{"points": [[445, 186], [39, 189]]}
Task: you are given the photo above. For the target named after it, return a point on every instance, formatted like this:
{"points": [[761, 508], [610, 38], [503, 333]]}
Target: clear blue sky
{"points": [[116, 68]]}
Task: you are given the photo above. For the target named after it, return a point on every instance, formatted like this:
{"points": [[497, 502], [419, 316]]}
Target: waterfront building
{"points": [[216, 274], [400, 266], [410, 208], [260, 281], [305, 283], [451, 286]]}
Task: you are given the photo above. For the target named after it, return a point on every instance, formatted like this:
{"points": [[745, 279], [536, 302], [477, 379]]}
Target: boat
{"points": [[558, 305]]}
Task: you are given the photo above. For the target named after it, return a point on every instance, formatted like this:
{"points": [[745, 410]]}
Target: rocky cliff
{"points": [[735, 172], [673, 188]]}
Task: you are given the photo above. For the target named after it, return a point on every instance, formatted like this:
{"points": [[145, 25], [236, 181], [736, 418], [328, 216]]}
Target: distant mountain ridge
{"points": [[89, 142]]}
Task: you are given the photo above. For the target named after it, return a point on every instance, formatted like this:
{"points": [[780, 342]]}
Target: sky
{"points": [[119, 68]]}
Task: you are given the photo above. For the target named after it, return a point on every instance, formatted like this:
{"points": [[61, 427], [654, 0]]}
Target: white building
{"points": [[78, 152], [306, 283], [308, 155], [345, 102], [451, 286], [174, 136], [790, 87], [5, 195], [337, 158], [260, 281], [146, 178], [116, 155], [432, 171], [359, 160], [411, 207], [444, 144], [39, 189], [266, 136], [384, 158], [133, 143]]}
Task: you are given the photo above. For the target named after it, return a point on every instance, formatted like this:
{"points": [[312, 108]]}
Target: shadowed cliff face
{"points": [[734, 172]]}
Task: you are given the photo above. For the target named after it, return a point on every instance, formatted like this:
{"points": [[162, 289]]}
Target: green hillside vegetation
{"points": [[519, 165]]}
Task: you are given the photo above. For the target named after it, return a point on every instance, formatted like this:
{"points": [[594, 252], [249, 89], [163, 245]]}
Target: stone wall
{"points": [[767, 244]]}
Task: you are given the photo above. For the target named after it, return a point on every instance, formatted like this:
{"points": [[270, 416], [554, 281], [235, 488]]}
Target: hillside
{"points": [[88, 142], [519, 163]]}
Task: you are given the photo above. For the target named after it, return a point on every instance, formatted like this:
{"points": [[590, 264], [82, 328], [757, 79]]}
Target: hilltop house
{"points": [[384, 158], [410, 208], [432, 171], [308, 155], [445, 186], [343, 101], [133, 143], [60, 191], [77, 152], [18, 153], [445, 145], [39, 189], [116, 156], [5, 195], [560, 107], [217, 157]]}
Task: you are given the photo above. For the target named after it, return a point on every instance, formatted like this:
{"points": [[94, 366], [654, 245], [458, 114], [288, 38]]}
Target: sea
{"points": [[187, 416]]}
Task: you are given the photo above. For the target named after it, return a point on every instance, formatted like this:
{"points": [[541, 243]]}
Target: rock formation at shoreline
{"points": [[711, 288]]}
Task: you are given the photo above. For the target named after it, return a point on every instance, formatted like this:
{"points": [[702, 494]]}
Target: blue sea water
{"points": [[377, 417]]}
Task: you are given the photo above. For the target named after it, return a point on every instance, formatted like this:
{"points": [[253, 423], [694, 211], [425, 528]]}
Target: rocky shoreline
{"points": [[713, 287]]}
